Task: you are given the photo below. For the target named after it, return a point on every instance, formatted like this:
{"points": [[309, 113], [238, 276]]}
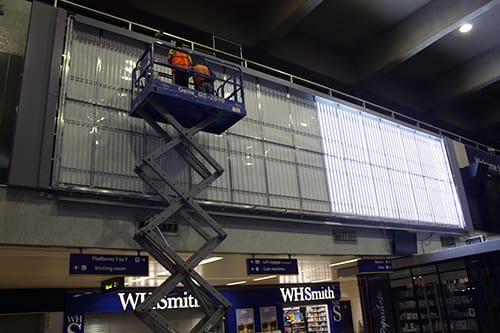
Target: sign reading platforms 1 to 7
{"points": [[108, 264], [272, 266]]}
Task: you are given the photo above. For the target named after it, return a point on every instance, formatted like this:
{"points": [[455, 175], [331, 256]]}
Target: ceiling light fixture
{"points": [[165, 273], [209, 260], [464, 28], [235, 283], [344, 262], [137, 280], [265, 278]]}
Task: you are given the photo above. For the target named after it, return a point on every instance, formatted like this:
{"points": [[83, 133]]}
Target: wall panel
{"points": [[247, 127], [274, 102], [303, 113], [252, 103], [248, 170]]}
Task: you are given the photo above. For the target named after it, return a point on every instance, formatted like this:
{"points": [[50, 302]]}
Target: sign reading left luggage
{"points": [[108, 264]]}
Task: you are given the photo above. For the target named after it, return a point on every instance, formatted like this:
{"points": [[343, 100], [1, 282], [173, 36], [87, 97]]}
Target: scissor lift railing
{"points": [[157, 99]]}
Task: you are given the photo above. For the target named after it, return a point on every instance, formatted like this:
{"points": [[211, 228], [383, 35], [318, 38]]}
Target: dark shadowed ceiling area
{"points": [[406, 55]]}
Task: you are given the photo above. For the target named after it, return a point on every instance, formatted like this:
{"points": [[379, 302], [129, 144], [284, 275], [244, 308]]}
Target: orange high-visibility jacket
{"points": [[199, 68], [180, 59]]}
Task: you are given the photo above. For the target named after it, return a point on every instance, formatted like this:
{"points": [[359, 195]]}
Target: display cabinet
{"points": [[434, 299], [317, 318], [418, 308], [307, 319], [465, 281], [294, 321], [458, 299], [418, 302]]}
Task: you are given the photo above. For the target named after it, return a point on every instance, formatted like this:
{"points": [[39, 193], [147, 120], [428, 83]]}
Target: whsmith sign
{"points": [[129, 301], [308, 294], [77, 305]]}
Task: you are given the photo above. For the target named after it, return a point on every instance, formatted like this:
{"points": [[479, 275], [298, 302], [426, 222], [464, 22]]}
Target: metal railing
{"points": [[130, 25]]}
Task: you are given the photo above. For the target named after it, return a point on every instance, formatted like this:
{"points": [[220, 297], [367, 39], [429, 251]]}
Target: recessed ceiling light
{"points": [[235, 283], [344, 262], [265, 278], [164, 273], [466, 27], [138, 280], [209, 260]]}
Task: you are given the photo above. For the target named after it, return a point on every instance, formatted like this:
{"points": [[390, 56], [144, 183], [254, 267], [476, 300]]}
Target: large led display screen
{"points": [[383, 170], [294, 154]]}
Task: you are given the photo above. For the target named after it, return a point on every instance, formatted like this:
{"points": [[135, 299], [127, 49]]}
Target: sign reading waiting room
{"points": [[81, 263]]}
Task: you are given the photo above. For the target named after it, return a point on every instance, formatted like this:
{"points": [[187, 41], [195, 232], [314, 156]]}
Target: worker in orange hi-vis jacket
{"points": [[204, 80], [182, 62]]}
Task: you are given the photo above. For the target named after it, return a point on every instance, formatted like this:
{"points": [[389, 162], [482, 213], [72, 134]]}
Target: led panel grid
{"points": [[386, 171]]}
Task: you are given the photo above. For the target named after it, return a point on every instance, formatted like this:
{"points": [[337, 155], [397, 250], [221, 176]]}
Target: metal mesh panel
{"points": [[289, 152], [247, 127], [303, 113], [76, 161], [252, 104], [247, 165], [282, 176], [97, 141], [97, 95], [251, 124], [216, 145], [114, 153], [274, 103]]}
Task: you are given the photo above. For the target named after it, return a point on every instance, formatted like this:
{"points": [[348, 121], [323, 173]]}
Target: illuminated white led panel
{"points": [[386, 171]]}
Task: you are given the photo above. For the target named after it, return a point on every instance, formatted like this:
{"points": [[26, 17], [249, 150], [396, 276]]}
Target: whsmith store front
{"points": [[290, 309]]}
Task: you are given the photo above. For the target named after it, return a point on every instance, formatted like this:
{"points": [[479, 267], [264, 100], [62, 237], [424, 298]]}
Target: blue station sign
{"points": [[108, 264], [271, 266], [375, 265]]}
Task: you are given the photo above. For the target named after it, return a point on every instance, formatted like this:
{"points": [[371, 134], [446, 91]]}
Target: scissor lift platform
{"points": [[153, 85], [156, 99]]}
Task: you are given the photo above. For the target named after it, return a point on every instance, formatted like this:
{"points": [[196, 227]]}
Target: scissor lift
{"points": [[186, 111]]}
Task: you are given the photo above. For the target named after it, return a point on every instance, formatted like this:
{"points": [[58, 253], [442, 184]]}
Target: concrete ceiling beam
{"points": [[417, 32], [465, 79], [280, 19]]}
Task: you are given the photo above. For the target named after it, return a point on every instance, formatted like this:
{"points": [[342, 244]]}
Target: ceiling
{"points": [[406, 55], [48, 267]]}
